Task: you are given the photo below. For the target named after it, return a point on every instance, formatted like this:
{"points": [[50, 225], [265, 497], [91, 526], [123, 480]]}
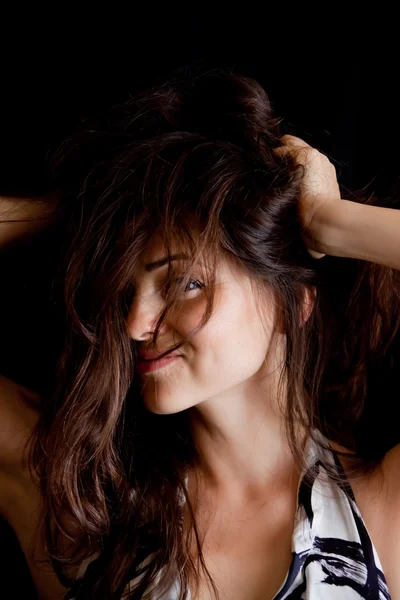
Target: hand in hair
{"points": [[319, 186], [347, 229]]}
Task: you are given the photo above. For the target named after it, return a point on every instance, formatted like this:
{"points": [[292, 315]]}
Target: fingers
{"points": [[304, 154], [294, 142]]}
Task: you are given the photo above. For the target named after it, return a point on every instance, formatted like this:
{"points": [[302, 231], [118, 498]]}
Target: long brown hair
{"points": [[194, 153]]}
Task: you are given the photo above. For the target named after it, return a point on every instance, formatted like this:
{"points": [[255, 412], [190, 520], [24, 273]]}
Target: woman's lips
{"points": [[147, 366]]}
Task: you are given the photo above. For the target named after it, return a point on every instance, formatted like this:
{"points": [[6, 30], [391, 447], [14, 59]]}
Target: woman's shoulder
{"points": [[385, 477], [18, 401], [377, 496], [391, 472], [19, 412]]}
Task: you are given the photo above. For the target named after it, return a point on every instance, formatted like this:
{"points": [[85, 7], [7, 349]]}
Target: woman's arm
{"points": [[359, 231], [21, 503], [23, 513], [335, 226], [23, 216]]}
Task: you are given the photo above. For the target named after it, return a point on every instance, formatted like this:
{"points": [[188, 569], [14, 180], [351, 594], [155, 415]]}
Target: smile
{"points": [[154, 365]]}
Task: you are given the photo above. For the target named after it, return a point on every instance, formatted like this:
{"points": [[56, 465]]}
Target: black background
{"points": [[335, 82]]}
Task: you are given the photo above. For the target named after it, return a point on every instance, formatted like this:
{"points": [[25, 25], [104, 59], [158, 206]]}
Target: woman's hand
{"points": [[319, 187]]}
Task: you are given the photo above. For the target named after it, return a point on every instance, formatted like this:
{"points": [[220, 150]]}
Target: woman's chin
{"points": [[164, 405]]}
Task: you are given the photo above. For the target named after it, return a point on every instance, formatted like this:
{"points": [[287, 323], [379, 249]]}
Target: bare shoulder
{"points": [[21, 503], [19, 412], [378, 498], [391, 471], [390, 506], [378, 494]]}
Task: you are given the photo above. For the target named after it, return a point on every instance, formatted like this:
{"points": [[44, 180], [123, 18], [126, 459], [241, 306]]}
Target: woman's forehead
{"points": [[156, 250], [155, 255]]}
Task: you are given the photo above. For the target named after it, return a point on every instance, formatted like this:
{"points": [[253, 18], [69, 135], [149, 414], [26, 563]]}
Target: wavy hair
{"points": [[196, 153]]}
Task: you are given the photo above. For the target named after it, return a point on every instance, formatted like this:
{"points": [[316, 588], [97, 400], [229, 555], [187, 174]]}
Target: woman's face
{"points": [[223, 358]]}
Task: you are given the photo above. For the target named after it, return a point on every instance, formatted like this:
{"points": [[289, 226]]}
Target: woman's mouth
{"points": [[147, 366]]}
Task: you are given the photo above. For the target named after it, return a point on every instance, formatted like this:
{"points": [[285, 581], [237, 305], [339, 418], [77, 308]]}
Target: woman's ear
{"points": [[309, 295], [308, 303]]}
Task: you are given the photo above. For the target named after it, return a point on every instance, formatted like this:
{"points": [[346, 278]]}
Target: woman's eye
{"points": [[191, 286], [194, 282]]}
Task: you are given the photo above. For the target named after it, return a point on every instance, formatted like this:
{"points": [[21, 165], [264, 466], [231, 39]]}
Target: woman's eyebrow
{"points": [[162, 261]]}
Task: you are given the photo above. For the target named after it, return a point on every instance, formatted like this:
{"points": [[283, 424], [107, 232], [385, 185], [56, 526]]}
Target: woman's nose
{"points": [[142, 318]]}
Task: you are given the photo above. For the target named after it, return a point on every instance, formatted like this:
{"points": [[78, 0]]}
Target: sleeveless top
{"points": [[333, 556]]}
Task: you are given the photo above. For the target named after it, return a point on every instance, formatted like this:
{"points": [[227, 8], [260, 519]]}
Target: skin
{"points": [[20, 500]]}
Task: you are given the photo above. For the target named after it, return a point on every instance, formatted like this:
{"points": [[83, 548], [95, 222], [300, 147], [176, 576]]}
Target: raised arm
{"points": [[341, 227]]}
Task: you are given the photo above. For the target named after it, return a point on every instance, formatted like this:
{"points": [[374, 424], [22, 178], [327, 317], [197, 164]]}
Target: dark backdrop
{"points": [[336, 83]]}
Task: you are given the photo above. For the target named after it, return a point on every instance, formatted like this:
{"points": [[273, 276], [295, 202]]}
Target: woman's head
{"points": [[185, 169], [194, 174]]}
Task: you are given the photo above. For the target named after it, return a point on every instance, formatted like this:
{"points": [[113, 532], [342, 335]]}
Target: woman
{"points": [[224, 465]]}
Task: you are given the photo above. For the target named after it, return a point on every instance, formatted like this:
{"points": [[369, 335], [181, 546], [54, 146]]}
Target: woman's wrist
{"points": [[333, 227]]}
